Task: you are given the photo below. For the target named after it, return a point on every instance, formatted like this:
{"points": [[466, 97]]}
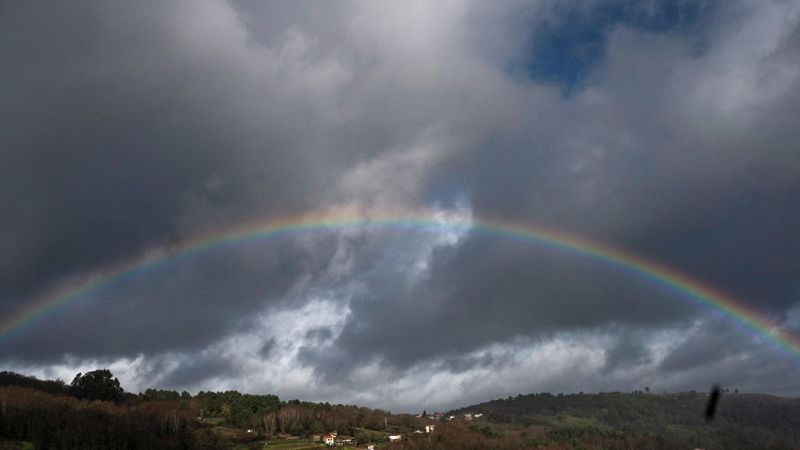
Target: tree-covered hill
{"points": [[95, 412], [671, 420]]}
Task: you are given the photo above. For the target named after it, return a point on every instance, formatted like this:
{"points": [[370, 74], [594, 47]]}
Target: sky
{"points": [[663, 129]]}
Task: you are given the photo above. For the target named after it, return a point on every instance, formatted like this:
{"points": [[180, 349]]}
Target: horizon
{"points": [[643, 391], [391, 204]]}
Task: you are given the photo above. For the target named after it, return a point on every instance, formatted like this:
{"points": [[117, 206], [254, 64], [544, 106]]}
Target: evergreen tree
{"points": [[97, 385]]}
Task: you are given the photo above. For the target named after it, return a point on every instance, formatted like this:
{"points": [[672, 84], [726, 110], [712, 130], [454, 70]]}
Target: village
{"points": [[381, 439], [333, 439]]}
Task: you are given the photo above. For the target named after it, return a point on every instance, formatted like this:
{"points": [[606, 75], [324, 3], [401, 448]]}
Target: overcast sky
{"points": [[665, 128]]}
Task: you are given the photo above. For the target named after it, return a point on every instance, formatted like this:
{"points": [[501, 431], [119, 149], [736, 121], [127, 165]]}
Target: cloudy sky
{"points": [[667, 129]]}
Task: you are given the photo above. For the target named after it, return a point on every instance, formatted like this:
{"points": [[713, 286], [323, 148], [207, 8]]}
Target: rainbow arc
{"points": [[679, 283]]}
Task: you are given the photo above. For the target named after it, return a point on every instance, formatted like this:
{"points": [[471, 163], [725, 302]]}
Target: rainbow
{"points": [[412, 220]]}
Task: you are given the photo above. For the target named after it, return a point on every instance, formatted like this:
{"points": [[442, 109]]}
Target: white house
{"points": [[429, 428], [329, 440], [395, 437]]}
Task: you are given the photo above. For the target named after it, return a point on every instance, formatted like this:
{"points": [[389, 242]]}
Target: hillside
{"points": [[665, 420], [95, 412]]}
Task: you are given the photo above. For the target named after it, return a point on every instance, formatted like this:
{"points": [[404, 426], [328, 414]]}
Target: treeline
{"points": [[236, 408], [64, 422], [303, 418], [57, 387], [95, 412], [95, 385], [267, 415]]}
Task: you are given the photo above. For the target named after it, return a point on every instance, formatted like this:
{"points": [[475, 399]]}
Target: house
{"points": [[467, 416], [341, 440], [418, 432], [395, 437], [477, 415], [316, 438], [329, 440], [429, 428]]}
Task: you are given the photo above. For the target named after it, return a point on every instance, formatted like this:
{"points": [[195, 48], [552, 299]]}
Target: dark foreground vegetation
{"points": [[93, 412]]}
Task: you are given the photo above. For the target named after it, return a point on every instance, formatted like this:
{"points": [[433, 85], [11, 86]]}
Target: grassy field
{"points": [[15, 445], [293, 445], [214, 420]]}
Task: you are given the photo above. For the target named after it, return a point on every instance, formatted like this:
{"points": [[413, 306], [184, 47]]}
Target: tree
{"points": [[97, 385], [647, 389], [424, 413]]}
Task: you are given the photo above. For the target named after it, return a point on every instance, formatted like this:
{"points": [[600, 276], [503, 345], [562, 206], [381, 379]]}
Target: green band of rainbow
{"points": [[658, 274]]}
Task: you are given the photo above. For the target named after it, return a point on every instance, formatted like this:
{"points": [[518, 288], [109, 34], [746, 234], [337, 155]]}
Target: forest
{"points": [[94, 412], [665, 420]]}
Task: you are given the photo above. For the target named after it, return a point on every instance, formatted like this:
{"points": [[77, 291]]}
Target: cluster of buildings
{"points": [[440, 416], [467, 416], [334, 439], [428, 429]]}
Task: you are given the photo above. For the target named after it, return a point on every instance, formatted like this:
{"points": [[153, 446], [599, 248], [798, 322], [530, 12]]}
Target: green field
{"points": [[214, 420], [293, 445], [15, 445]]}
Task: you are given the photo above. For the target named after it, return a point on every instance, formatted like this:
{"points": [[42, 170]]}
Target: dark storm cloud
{"points": [[636, 172], [266, 348], [710, 343], [489, 290], [460, 364], [712, 229], [196, 369], [629, 351], [112, 122], [624, 163], [180, 307], [128, 127]]}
